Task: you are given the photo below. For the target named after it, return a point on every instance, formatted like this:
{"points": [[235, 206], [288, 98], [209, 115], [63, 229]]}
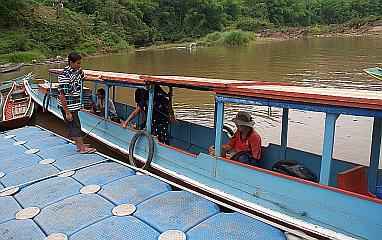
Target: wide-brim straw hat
{"points": [[243, 119]]}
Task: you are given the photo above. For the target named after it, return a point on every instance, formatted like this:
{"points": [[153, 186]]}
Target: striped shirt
{"points": [[70, 81]]}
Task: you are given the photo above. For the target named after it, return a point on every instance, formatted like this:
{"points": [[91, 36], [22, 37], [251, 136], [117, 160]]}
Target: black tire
{"points": [[230, 131], [151, 149]]}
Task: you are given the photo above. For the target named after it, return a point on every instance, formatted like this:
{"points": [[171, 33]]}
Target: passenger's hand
{"points": [[92, 103], [69, 116], [211, 150], [125, 124]]}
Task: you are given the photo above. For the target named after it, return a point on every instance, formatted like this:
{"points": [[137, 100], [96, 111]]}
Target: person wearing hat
{"points": [[244, 139]]}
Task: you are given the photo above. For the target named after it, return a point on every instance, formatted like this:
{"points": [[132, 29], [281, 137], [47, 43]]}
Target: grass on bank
{"points": [[231, 38], [22, 57]]}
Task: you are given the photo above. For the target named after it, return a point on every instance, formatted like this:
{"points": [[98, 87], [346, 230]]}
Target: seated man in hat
{"points": [[245, 139]]}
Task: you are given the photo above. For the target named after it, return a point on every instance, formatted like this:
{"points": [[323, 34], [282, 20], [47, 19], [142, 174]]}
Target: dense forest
{"points": [[39, 28]]}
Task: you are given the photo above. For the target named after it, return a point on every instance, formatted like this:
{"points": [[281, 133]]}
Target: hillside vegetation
{"points": [[36, 29]]}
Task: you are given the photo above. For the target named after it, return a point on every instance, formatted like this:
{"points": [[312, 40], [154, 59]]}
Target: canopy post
{"points": [[374, 154], [327, 151], [170, 94], [81, 92], [95, 92], [50, 84], [107, 101], [149, 116], [113, 94], [284, 134], [219, 127]]}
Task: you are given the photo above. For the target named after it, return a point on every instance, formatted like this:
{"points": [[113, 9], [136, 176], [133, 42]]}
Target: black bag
{"points": [[245, 157], [116, 119], [294, 169]]}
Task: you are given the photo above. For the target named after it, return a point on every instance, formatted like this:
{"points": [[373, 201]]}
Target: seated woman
{"points": [[163, 112], [245, 139]]}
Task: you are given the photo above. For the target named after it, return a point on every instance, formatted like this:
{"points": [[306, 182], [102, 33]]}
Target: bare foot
{"points": [[86, 145], [88, 150]]}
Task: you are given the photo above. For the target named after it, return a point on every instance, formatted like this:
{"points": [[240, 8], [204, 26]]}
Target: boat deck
{"points": [[48, 189]]}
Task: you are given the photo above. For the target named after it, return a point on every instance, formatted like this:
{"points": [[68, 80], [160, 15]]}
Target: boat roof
{"points": [[176, 81], [197, 82], [336, 97], [109, 76], [310, 95]]}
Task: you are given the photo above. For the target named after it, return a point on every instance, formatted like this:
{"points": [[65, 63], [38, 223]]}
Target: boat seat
{"points": [[20, 99], [354, 180]]}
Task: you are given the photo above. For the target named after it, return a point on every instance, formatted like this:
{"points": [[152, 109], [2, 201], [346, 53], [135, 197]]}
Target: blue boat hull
{"points": [[308, 206]]}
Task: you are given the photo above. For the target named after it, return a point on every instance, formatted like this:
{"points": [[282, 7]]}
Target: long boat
{"points": [[10, 69], [340, 204], [18, 106], [375, 72]]}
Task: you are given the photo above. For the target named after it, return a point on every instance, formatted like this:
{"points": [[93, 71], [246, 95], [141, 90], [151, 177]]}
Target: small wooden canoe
{"points": [[18, 107], [375, 72]]}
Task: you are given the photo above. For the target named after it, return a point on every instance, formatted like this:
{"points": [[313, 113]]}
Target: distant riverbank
{"points": [[227, 38]]}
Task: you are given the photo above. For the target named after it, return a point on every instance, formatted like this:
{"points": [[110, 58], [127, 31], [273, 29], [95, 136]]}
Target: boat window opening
{"points": [[123, 99]]}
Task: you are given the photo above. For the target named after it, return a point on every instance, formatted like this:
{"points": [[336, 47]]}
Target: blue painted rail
{"points": [[48, 189]]}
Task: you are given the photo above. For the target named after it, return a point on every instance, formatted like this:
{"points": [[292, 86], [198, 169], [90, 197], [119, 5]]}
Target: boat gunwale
{"points": [[302, 180]]}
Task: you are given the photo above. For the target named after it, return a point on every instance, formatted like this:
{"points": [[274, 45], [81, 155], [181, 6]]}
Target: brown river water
{"points": [[319, 62]]}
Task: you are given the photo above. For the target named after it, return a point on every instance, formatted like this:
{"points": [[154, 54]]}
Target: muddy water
{"points": [[321, 62]]}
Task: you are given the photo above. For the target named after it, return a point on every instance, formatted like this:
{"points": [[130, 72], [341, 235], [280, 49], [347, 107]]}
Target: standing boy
{"points": [[70, 83]]}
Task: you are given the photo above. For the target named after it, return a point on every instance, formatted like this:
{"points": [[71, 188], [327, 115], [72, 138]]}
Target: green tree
{"points": [[333, 11], [365, 8], [85, 6], [15, 12]]}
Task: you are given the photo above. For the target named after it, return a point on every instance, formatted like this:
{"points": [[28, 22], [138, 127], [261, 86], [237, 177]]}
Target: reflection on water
{"points": [[318, 62]]}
